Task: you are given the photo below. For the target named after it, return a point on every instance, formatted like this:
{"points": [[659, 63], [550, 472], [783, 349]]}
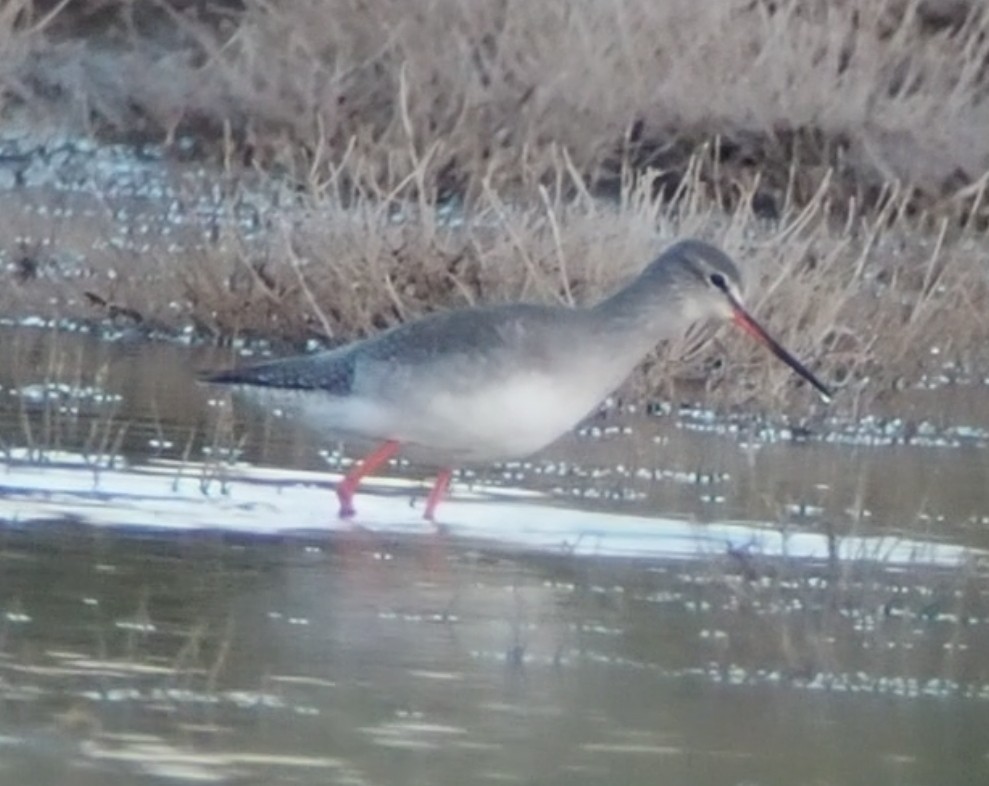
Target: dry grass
{"points": [[878, 92], [866, 303], [856, 128]]}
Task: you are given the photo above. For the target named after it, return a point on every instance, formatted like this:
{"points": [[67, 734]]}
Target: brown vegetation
{"points": [[837, 148], [878, 92], [871, 304]]}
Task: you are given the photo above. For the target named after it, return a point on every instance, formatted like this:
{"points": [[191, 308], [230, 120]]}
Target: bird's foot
{"points": [[347, 509]]}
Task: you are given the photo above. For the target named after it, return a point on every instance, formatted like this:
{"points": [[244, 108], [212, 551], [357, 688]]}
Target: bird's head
{"points": [[706, 284]]}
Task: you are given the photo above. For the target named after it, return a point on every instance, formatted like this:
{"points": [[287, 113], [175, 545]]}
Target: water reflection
{"points": [[168, 616], [366, 659]]}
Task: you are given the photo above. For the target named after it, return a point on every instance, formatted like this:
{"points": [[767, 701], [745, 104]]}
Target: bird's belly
{"points": [[511, 419]]}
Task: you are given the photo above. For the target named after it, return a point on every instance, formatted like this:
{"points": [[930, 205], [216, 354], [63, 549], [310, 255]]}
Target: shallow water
{"points": [[666, 598]]}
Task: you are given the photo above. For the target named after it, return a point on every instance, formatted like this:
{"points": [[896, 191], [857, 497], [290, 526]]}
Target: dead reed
{"points": [[446, 153], [488, 93], [872, 303]]}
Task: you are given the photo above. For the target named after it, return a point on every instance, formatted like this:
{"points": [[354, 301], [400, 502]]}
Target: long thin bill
{"points": [[744, 320]]}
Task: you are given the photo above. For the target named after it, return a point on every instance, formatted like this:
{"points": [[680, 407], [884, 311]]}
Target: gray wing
{"points": [[460, 351], [331, 371], [465, 348]]}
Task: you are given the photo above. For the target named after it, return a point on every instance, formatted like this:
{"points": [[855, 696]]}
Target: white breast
{"points": [[512, 419]]}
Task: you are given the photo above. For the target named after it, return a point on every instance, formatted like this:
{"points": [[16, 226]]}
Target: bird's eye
{"points": [[718, 280]]}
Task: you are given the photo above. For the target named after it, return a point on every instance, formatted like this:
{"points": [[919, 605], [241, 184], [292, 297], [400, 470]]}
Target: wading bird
{"points": [[480, 385]]}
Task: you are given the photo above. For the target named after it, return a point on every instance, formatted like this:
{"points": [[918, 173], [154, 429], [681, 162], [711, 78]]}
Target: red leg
{"points": [[437, 493], [348, 486]]}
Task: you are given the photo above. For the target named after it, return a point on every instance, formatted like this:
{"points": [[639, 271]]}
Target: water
{"points": [[671, 598]]}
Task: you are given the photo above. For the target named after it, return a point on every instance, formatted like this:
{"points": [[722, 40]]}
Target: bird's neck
{"points": [[626, 326], [642, 313]]}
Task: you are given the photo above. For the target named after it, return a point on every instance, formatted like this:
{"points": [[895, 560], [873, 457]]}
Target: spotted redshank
{"points": [[480, 385]]}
